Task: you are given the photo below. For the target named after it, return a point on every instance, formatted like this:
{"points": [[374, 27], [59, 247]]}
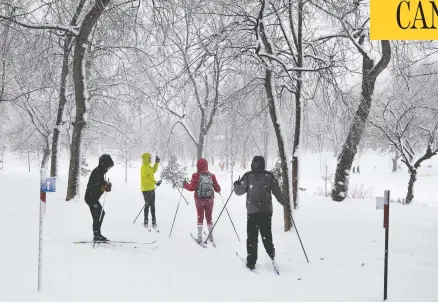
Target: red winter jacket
{"points": [[202, 166]]}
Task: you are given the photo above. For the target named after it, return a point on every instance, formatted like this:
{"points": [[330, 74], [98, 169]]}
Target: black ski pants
{"points": [[259, 222], [149, 203], [96, 211]]}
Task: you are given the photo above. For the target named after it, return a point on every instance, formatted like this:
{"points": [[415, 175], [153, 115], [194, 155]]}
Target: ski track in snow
{"points": [[344, 243]]}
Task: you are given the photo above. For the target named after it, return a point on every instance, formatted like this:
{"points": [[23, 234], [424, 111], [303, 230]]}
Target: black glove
{"points": [[237, 182], [158, 183], [157, 160]]}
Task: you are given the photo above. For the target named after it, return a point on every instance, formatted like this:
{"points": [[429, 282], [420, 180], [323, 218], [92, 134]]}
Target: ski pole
{"points": [[211, 231], [147, 201], [300, 239], [230, 217], [173, 183], [103, 205], [174, 218]]}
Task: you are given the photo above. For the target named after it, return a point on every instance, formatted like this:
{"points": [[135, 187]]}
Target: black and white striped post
{"points": [[386, 226]]}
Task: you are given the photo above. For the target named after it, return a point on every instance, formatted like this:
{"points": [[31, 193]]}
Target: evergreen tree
{"points": [[174, 172]]}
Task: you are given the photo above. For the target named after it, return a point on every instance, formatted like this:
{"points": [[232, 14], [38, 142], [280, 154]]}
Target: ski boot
{"points": [[100, 238], [211, 234], [199, 240]]}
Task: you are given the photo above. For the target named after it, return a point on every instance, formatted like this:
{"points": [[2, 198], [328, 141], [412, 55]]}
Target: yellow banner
{"points": [[404, 19]]}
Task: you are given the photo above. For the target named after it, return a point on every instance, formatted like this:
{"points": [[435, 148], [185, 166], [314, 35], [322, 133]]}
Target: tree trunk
{"points": [[349, 149], [298, 109], [62, 98], [394, 164], [201, 145], [265, 137], [395, 161], [81, 95], [46, 153], [412, 179], [227, 155], [28, 157], [282, 150], [126, 166]]}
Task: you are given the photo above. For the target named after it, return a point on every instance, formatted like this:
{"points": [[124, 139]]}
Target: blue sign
{"points": [[48, 185]]}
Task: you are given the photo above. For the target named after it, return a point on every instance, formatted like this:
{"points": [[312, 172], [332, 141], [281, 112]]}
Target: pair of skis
{"points": [[154, 227], [114, 242], [274, 265], [202, 242]]}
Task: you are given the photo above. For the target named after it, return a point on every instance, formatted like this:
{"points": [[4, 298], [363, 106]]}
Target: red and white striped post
{"points": [[46, 185]]}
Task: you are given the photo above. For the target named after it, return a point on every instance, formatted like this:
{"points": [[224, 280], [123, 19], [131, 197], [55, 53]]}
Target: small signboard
{"points": [[380, 201], [48, 185]]}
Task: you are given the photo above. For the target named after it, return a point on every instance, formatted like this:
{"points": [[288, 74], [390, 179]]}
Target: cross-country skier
{"points": [[96, 186], [204, 184], [148, 187], [258, 184]]}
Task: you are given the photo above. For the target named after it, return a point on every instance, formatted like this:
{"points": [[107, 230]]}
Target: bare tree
{"points": [[408, 118], [352, 19], [67, 46]]}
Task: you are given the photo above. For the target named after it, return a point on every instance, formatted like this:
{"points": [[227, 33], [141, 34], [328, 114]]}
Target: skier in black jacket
{"points": [[258, 185], [95, 188]]}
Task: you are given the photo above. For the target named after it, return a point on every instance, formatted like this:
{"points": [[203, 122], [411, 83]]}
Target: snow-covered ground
{"points": [[344, 242]]}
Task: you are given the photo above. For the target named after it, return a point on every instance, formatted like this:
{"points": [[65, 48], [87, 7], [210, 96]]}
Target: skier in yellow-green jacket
{"points": [[148, 187]]}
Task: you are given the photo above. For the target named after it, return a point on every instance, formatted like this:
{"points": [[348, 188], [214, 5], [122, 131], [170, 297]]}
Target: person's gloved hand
{"points": [[106, 186], [157, 160], [237, 182], [158, 183]]}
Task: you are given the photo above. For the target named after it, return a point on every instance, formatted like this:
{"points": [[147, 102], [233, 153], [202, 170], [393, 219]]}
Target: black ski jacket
{"points": [[258, 185], [94, 187]]}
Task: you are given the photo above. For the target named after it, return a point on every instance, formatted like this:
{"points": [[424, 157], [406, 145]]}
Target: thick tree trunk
{"points": [[282, 150], [62, 97], [265, 137], [298, 110], [412, 179], [201, 145], [81, 95], [370, 71]]}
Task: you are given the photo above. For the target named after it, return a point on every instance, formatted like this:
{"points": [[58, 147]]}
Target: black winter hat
{"points": [[258, 163], [106, 161]]}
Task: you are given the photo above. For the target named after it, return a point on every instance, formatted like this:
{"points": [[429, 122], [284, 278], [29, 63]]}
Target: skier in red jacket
{"points": [[204, 184]]}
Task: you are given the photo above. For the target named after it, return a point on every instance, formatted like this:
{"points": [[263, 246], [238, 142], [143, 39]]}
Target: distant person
{"points": [[148, 187], [258, 184], [204, 184], [97, 185]]}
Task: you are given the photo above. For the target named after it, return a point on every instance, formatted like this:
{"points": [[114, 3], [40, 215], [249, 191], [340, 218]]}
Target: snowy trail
{"points": [[344, 242]]}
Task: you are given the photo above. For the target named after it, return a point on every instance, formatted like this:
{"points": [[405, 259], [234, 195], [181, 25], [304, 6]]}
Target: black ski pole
{"points": [[211, 231], [174, 185], [232, 223], [293, 222], [174, 218], [147, 201]]}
